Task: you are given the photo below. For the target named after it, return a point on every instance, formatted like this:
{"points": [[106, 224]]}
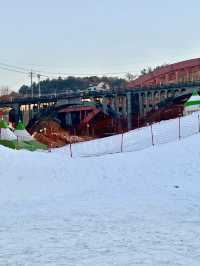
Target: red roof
{"points": [[168, 69]]}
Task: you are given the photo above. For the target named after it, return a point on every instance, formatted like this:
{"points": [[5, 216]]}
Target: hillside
{"points": [[58, 85], [136, 208]]}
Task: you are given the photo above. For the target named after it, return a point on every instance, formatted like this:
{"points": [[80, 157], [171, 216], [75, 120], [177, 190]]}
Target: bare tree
{"points": [[129, 76], [4, 90]]}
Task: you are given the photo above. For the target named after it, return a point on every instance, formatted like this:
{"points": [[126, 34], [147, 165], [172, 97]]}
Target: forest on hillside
{"points": [[71, 84]]}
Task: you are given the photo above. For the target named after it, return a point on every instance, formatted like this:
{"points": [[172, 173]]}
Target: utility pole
{"points": [[39, 91], [31, 75]]}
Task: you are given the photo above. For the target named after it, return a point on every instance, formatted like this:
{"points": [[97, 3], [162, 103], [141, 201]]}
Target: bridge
{"points": [[127, 102], [143, 95], [185, 71]]}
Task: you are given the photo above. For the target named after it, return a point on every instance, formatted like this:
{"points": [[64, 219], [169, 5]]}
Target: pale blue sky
{"points": [[96, 36]]}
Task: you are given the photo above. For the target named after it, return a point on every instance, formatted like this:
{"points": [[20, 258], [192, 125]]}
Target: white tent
{"points": [[21, 133], [5, 132], [192, 104]]}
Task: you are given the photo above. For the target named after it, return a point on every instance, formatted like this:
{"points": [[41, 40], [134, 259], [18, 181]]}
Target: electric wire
{"points": [[44, 73]]}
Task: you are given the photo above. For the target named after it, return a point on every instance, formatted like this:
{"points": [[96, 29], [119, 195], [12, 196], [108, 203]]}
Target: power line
{"points": [[12, 66], [43, 73], [21, 70], [13, 70]]}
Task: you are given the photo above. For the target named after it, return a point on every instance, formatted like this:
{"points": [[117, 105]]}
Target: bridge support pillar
{"points": [[15, 113], [147, 102], [29, 112], [129, 111], [141, 104]]}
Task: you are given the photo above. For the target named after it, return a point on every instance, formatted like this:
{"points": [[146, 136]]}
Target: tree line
{"points": [[59, 85]]}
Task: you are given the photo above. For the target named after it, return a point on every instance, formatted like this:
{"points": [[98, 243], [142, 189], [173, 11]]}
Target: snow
{"points": [[132, 208], [163, 132]]}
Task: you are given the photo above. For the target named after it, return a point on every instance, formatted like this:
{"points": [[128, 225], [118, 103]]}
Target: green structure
{"points": [[192, 104], [18, 140], [3, 124], [20, 126]]}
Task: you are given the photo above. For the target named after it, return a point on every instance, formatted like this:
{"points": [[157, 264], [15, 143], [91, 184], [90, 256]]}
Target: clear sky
{"points": [[95, 36]]}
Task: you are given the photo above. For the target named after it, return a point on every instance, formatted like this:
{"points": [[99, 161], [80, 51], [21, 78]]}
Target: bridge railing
{"points": [[53, 96]]}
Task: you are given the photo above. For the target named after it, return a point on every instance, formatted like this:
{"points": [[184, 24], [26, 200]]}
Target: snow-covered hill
{"points": [[136, 208], [163, 132]]}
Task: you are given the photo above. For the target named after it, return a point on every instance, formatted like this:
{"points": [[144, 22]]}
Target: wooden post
{"points": [[49, 147], [179, 128], [152, 136], [122, 141], [70, 148]]}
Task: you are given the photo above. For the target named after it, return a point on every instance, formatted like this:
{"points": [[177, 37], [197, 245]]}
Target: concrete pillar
{"points": [[115, 103], [150, 100], [141, 104], [16, 113], [147, 102], [124, 106], [29, 112]]}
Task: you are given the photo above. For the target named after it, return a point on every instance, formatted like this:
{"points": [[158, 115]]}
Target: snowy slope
{"points": [[137, 208], [163, 132]]}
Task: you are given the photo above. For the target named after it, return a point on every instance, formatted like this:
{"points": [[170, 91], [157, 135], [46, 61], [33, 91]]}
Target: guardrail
{"points": [[111, 93]]}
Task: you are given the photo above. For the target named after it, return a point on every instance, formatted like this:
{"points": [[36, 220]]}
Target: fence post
{"points": [[138, 120], [70, 148], [179, 128], [152, 136], [49, 147], [122, 141]]}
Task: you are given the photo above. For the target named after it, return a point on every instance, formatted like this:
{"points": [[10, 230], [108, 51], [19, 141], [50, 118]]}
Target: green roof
{"points": [[195, 93], [20, 125], [193, 100], [3, 124], [192, 103]]}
